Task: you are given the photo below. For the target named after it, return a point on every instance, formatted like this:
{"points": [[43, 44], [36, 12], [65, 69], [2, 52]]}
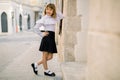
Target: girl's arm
{"points": [[59, 15], [39, 25], [36, 29]]}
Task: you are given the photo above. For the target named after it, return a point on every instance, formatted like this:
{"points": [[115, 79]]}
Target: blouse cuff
{"points": [[59, 15]]}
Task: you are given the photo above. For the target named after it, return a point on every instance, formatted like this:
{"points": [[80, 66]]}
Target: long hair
{"points": [[52, 6]]}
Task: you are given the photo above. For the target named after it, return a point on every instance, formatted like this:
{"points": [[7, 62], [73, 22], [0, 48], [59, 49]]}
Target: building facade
{"points": [[15, 16]]}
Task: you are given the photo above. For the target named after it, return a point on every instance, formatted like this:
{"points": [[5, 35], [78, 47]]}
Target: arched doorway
{"points": [[20, 22], [28, 22], [4, 22]]}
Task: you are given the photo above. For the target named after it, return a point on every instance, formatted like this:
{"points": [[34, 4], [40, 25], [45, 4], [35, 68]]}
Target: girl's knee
{"points": [[49, 58], [44, 59]]}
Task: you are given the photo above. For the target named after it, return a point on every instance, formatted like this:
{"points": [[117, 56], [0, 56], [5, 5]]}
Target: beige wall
{"points": [[98, 40], [71, 25], [80, 47], [104, 40]]}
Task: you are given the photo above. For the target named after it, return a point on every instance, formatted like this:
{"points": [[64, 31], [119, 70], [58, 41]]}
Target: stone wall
{"points": [[71, 25], [104, 40], [80, 47]]}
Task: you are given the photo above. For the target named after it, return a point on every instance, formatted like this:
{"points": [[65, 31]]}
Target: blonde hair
{"points": [[52, 6]]}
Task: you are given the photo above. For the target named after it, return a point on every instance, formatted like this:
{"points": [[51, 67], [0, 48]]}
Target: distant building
{"points": [[15, 16]]}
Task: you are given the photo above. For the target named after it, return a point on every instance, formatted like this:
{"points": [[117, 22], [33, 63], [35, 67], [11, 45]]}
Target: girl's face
{"points": [[49, 11]]}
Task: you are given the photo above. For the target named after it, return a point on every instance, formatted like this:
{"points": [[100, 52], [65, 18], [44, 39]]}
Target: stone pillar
{"points": [[80, 47], [104, 40], [71, 25]]}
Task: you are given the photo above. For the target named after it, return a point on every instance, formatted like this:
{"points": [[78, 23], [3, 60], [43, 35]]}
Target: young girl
{"points": [[48, 46]]}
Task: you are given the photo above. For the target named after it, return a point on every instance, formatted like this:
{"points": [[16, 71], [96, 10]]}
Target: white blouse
{"points": [[48, 22]]}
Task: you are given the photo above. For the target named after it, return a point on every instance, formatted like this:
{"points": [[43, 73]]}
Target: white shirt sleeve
{"points": [[39, 23], [59, 16], [36, 29]]}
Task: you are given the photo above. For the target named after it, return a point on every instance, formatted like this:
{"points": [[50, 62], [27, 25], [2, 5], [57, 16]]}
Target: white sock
{"points": [[48, 71], [36, 65]]}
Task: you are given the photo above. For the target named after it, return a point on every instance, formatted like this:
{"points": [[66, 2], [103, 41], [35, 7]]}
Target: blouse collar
{"points": [[48, 16]]}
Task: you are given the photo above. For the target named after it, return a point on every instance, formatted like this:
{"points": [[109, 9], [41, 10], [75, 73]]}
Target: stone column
{"points": [[104, 40], [80, 47], [0, 25], [71, 24]]}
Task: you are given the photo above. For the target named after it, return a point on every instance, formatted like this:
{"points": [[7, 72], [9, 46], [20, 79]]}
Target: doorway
{"points": [[20, 22], [4, 22], [28, 22]]}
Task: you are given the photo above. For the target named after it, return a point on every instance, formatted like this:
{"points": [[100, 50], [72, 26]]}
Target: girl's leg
{"points": [[46, 56], [49, 57], [44, 60], [47, 71]]}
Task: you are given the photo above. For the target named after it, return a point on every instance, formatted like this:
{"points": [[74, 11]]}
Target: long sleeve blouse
{"points": [[48, 22]]}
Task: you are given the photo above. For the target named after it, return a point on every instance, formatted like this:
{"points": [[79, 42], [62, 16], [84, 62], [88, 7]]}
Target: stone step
{"points": [[73, 71]]}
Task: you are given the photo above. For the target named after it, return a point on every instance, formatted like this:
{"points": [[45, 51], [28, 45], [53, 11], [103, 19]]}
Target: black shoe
{"points": [[49, 74], [34, 69]]}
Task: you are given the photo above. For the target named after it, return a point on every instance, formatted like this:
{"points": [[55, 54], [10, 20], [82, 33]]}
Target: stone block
{"points": [[73, 71], [105, 17], [80, 47], [103, 56], [72, 23]]}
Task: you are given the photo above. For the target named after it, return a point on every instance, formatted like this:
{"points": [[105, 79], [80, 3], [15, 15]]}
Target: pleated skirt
{"points": [[48, 43]]}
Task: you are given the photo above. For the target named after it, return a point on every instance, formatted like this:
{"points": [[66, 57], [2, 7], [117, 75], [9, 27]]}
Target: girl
{"points": [[48, 46]]}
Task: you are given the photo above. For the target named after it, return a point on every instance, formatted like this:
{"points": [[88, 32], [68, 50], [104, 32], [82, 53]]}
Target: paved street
{"points": [[17, 52]]}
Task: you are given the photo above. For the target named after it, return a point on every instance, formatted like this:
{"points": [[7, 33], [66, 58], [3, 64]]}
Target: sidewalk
{"points": [[20, 67]]}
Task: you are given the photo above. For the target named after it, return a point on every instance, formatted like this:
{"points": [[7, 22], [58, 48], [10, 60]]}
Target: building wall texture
{"points": [[104, 40], [97, 40], [13, 11], [71, 25]]}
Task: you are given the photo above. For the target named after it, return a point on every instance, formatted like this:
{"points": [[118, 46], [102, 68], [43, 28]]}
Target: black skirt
{"points": [[48, 43]]}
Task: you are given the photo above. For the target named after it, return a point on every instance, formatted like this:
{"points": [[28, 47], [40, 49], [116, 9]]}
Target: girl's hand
{"points": [[45, 33]]}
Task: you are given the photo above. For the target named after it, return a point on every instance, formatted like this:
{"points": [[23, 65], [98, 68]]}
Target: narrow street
{"points": [[17, 52]]}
